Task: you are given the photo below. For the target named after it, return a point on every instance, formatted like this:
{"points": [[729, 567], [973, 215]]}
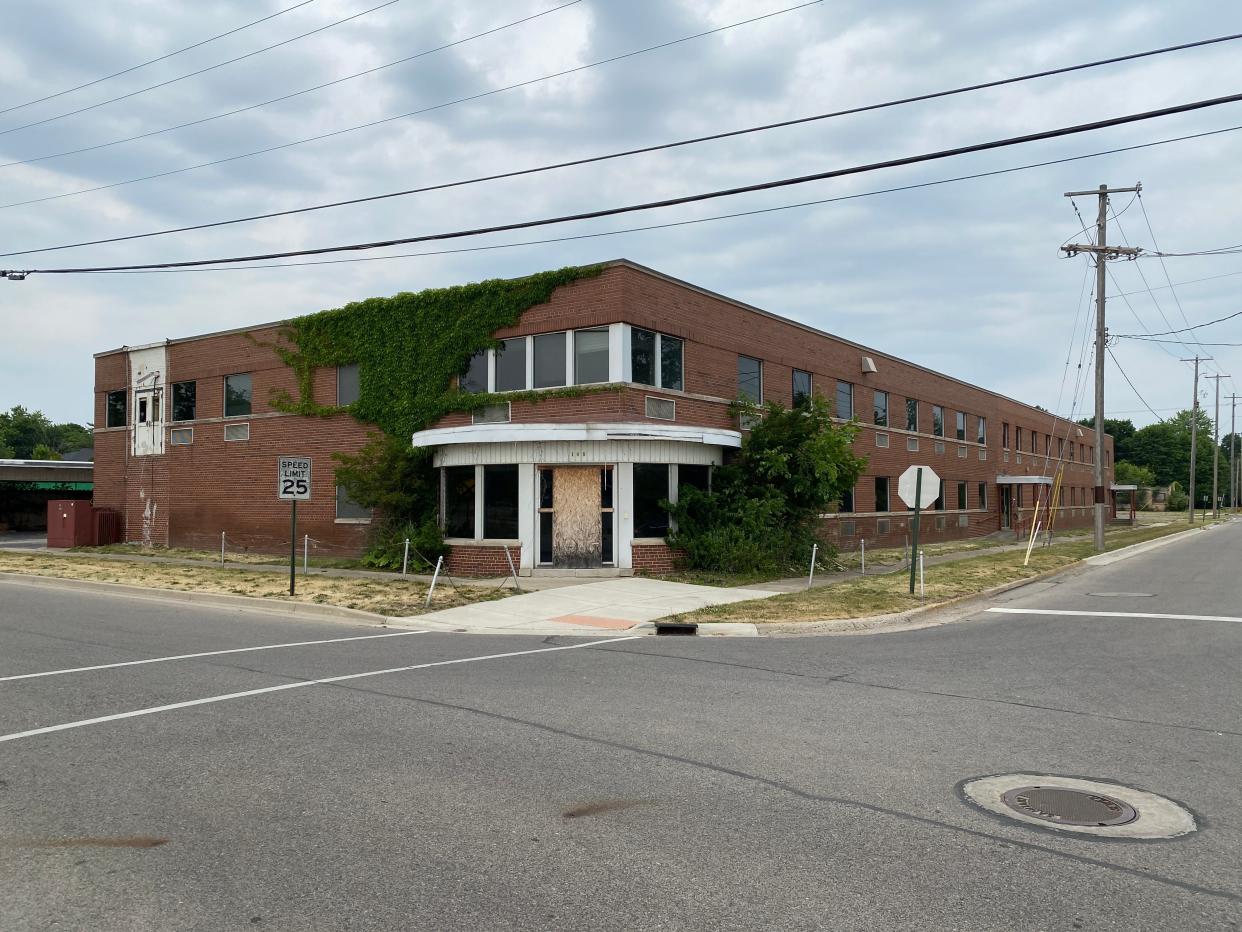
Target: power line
{"points": [[691, 222], [1219, 251], [503, 175], [685, 199], [152, 61], [1189, 281], [1165, 333], [793, 122], [1131, 384], [143, 90], [686, 223], [283, 97], [1147, 339]]}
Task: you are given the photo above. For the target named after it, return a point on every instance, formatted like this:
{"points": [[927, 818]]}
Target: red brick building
{"points": [[187, 440]]}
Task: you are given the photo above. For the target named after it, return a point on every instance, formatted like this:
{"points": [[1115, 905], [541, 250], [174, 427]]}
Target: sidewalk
{"points": [[590, 608]]}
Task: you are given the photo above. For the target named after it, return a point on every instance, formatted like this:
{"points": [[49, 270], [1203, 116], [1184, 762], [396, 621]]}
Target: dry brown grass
{"points": [[881, 595], [392, 597]]}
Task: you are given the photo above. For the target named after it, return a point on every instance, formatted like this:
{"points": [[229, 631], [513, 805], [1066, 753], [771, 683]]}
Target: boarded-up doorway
{"points": [[576, 524]]}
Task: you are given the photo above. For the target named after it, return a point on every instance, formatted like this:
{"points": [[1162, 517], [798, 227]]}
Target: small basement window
{"points": [[237, 431], [664, 409], [181, 436]]}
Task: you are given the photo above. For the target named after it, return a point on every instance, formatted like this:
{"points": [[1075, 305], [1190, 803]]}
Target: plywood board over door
{"points": [[576, 525]]}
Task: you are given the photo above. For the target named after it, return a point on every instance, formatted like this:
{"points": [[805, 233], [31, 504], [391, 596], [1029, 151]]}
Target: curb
{"points": [[220, 599], [912, 618]]}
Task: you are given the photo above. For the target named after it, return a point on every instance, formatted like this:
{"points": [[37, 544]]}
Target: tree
{"points": [[1125, 473], [1165, 449], [68, 437], [1122, 432], [43, 452], [761, 513], [23, 430]]}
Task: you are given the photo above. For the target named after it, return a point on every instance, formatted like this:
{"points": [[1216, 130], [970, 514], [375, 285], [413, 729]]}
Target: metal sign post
{"points": [[915, 489], [918, 490], [293, 477]]}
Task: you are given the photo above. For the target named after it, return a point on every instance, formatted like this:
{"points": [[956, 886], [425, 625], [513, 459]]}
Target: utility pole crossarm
{"points": [[1108, 252]]}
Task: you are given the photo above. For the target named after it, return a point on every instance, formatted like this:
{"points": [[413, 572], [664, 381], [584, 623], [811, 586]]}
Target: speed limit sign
{"points": [[293, 479]]}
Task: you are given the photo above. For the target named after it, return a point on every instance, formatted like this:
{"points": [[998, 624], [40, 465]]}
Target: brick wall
{"points": [[481, 559], [654, 559]]}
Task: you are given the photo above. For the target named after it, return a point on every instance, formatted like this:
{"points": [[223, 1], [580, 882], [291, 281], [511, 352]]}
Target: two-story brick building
{"points": [[187, 440]]}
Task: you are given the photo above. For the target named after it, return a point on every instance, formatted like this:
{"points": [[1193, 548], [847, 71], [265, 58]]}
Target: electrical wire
{"points": [[1198, 343], [143, 90], [685, 199], [1165, 333], [1189, 281], [1131, 384], [283, 97], [152, 61], [681, 223], [794, 122]]}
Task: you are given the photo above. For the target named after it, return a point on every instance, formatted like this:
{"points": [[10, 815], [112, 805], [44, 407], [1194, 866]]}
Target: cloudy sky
{"points": [[963, 277]]}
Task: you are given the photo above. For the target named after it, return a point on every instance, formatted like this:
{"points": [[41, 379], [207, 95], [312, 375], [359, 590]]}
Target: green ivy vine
{"points": [[409, 347]]}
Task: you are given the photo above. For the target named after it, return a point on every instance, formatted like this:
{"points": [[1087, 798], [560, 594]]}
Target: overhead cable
{"points": [[152, 61], [685, 199], [143, 90]]}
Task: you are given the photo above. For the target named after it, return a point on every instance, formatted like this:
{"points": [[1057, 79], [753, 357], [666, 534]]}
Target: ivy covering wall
{"points": [[409, 347]]}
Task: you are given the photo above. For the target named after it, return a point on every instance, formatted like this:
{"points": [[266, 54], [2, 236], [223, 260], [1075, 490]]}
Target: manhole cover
{"points": [[1122, 595], [1069, 807]]}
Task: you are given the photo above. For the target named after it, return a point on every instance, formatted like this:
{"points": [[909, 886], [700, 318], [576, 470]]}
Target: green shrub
{"points": [[1177, 499], [387, 548]]}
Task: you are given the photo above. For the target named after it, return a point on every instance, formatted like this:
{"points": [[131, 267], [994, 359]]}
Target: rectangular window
{"points": [[511, 365], [881, 493], [1071, 457], [845, 401], [801, 387], [142, 410], [693, 477], [939, 505], [500, 502], [938, 420], [1005, 436], [961, 496], [650, 488], [961, 425], [184, 401], [912, 414], [642, 356], [115, 406], [881, 440], [237, 395], [880, 409], [847, 501], [1060, 448], [1034, 441], [671, 363], [549, 360], [348, 387], [349, 510], [981, 430], [473, 378], [237, 431], [982, 501], [1017, 439], [606, 511], [181, 436], [912, 444], [750, 379], [492, 414], [546, 484], [459, 501], [590, 356]]}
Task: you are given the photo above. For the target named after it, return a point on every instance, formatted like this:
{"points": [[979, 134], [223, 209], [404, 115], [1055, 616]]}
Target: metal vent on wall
{"points": [[492, 414], [237, 431], [664, 409]]}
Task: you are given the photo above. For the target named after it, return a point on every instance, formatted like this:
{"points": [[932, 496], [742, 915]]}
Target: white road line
{"points": [[206, 653], [1065, 611], [152, 710]]}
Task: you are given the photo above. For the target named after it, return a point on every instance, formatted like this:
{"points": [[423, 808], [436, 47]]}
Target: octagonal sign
{"points": [[929, 492]]}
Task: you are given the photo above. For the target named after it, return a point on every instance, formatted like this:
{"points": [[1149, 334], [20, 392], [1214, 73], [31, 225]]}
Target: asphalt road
{"points": [[654, 783]]}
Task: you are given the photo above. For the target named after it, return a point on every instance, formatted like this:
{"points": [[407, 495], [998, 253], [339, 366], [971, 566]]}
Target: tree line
{"points": [[1159, 454], [31, 435]]}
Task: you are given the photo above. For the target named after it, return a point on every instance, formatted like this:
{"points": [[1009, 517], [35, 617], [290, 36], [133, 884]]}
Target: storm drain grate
{"points": [[1069, 807]]}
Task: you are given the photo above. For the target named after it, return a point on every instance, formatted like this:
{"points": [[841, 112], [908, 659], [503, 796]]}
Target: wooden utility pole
{"points": [[1102, 252], [1233, 451], [1194, 431], [1216, 449]]}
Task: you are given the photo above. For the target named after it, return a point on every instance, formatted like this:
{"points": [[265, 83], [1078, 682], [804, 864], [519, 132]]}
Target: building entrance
{"points": [[575, 516]]}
